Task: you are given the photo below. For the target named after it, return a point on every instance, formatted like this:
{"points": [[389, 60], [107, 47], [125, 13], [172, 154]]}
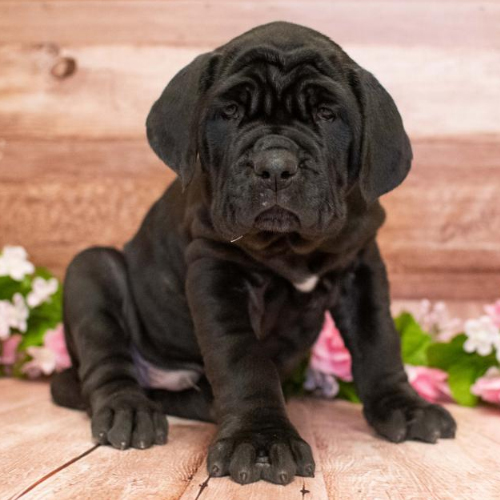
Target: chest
{"points": [[281, 308]]}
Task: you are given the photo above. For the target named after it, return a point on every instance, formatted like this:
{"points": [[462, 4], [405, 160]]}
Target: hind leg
{"points": [[95, 300]]}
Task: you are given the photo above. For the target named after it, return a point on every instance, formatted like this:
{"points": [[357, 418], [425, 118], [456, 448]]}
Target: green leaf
{"points": [[42, 318], [414, 341], [43, 272], [34, 335], [402, 321], [443, 355], [50, 310], [347, 391], [9, 287], [463, 368], [461, 376]]}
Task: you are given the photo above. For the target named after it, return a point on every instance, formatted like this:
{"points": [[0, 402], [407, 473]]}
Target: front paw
{"points": [[399, 417], [274, 453], [128, 418]]}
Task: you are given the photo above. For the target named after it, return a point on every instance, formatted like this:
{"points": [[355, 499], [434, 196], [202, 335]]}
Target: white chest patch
{"points": [[307, 285]]}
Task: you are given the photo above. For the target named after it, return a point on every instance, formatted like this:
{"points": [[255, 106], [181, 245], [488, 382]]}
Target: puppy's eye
{"points": [[325, 114], [231, 111]]}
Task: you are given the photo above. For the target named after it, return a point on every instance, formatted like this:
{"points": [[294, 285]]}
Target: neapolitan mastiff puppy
{"points": [[282, 145]]}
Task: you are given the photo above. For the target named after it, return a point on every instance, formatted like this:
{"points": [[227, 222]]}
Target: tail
{"points": [[66, 391]]}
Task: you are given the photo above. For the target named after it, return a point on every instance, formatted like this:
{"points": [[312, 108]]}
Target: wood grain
{"points": [[186, 22], [159, 472], [77, 79], [357, 465], [352, 463], [109, 89], [20, 393], [224, 488], [441, 238], [37, 437]]}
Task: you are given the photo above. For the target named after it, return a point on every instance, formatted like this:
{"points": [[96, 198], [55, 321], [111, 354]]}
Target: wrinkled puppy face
{"points": [[285, 125], [275, 140]]}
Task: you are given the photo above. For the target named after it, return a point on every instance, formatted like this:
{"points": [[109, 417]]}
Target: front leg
{"points": [[248, 400], [363, 317]]}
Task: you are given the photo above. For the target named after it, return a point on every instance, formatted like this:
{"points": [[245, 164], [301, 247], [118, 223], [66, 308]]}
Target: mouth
{"points": [[277, 220]]}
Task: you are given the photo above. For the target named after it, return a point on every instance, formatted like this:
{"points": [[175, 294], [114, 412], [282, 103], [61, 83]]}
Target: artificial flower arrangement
{"points": [[31, 334], [446, 360]]}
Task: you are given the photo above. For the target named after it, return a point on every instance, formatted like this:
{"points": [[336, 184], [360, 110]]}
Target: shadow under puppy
{"points": [[282, 145]]}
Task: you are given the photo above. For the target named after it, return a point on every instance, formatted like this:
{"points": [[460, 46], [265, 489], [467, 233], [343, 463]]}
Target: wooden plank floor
{"points": [[46, 453]]}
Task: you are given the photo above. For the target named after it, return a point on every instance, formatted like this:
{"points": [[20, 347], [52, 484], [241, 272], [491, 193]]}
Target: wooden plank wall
{"points": [[77, 79]]}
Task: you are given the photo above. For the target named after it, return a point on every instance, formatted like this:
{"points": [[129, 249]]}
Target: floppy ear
{"points": [[172, 123], [385, 148]]}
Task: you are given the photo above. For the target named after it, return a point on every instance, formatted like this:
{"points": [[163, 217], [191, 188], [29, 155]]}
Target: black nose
{"points": [[276, 166]]}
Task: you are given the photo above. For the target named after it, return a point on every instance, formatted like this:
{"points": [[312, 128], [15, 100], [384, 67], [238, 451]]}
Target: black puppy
{"points": [[282, 144]]}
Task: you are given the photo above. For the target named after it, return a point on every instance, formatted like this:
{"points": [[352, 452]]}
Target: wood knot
{"points": [[63, 68]]}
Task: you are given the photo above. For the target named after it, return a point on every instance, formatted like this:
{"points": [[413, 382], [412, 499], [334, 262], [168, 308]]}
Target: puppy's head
{"points": [[285, 126]]}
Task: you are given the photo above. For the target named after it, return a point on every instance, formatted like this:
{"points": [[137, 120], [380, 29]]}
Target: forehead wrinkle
{"points": [[233, 82], [277, 66], [297, 75], [331, 86], [273, 79], [285, 60], [315, 59]]}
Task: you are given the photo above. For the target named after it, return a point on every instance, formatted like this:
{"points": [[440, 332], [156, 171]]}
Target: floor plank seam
{"points": [[202, 487], [53, 472]]}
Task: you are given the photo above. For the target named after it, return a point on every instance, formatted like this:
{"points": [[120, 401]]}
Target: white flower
{"points": [[14, 263], [19, 313], [13, 315], [482, 335], [435, 319], [41, 291], [44, 361], [5, 307]]}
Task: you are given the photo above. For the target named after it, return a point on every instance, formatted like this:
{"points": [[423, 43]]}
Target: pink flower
{"points": [[43, 362], [488, 386], [493, 311], [329, 354], [9, 349], [55, 342], [52, 356], [430, 383]]}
